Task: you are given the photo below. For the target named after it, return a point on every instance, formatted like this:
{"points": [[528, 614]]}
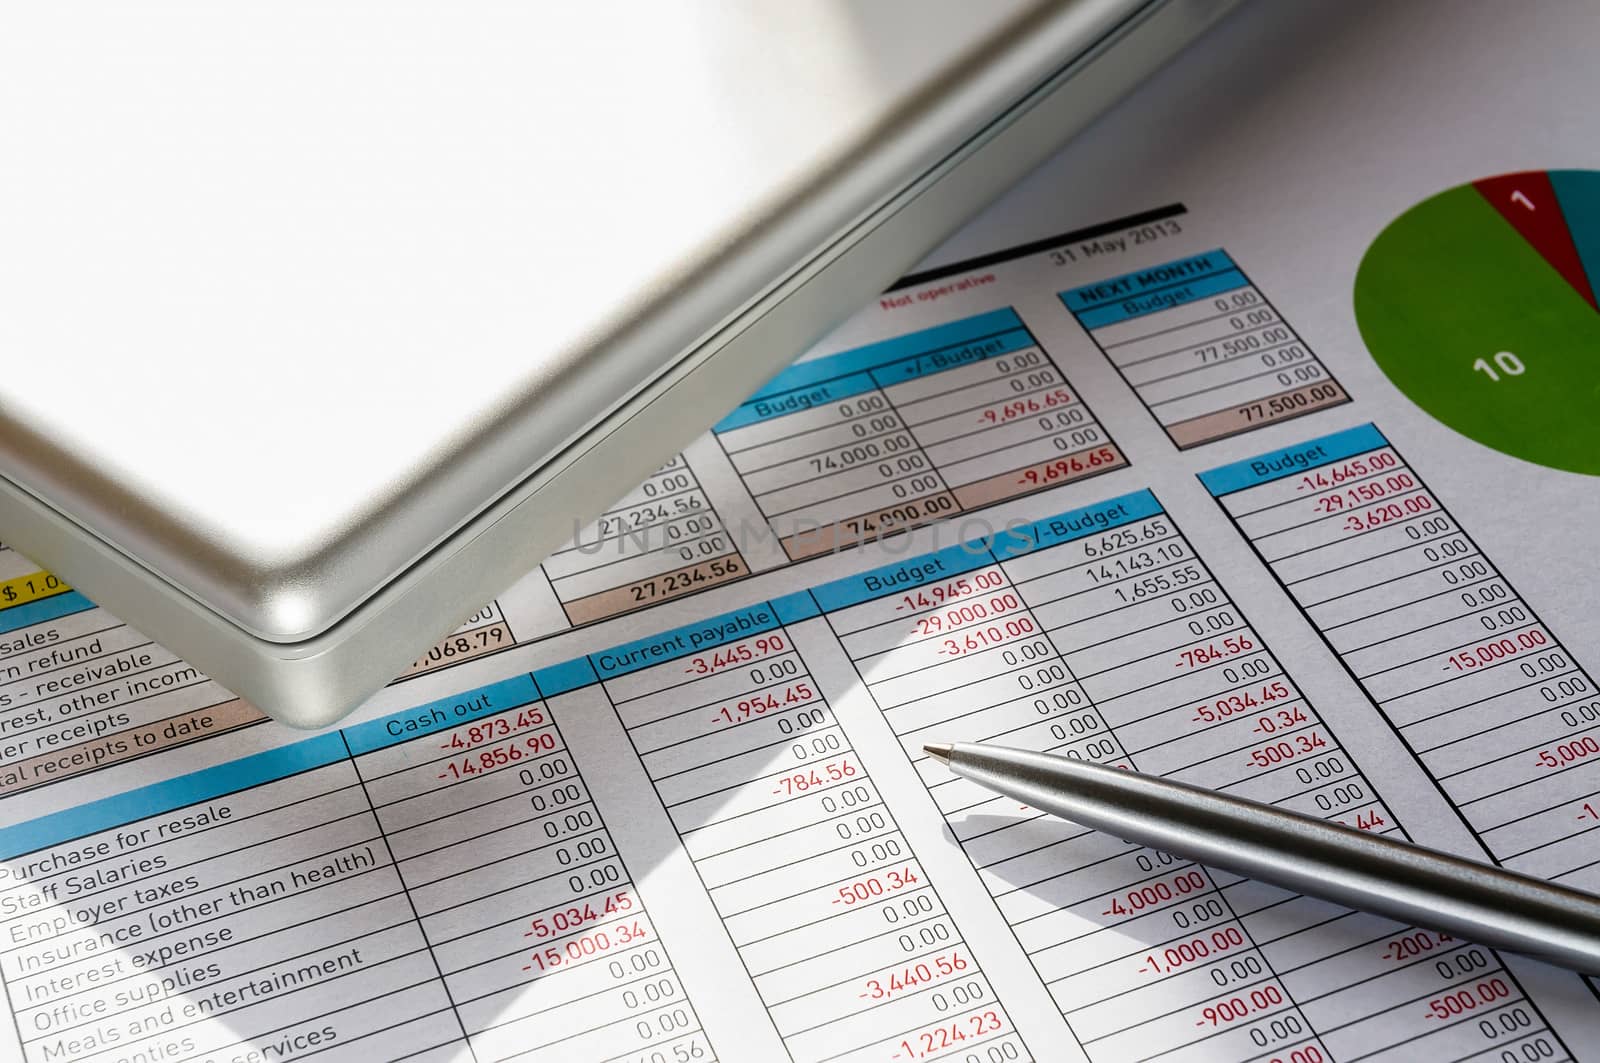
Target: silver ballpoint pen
{"points": [[1351, 867]]}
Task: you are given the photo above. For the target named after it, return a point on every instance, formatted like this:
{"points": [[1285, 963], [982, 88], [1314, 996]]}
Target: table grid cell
{"points": [[534, 921], [1203, 348], [85, 692], [1106, 628], [1497, 712], [848, 944], [663, 540], [485, 631], [196, 915], [845, 449]]}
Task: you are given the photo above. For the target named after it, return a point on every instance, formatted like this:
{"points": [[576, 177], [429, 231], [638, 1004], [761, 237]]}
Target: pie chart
{"points": [[1480, 305]]}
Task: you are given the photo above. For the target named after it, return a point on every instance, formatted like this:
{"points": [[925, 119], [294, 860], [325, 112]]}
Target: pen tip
{"points": [[939, 751]]}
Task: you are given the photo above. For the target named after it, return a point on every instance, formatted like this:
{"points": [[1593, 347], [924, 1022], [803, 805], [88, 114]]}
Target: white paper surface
{"points": [[665, 798]]}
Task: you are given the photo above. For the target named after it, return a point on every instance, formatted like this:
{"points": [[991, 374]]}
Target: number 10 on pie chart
{"points": [[1480, 304]]}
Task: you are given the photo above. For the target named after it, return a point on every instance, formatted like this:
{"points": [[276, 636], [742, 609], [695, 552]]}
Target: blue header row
{"points": [[521, 690], [41, 610], [1275, 465], [704, 635], [273, 764], [1014, 541], [1158, 288], [161, 797], [441, 715], [835, 377]]}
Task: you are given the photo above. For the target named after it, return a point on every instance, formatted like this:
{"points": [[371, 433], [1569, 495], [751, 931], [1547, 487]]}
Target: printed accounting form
{"points": [[1133, 478]]}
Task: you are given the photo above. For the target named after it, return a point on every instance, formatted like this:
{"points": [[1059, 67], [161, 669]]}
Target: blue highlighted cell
{"points": [[171, 795], [1277, 464], [441, 714], [1178, 271], [836, 377], [793, 608], [43, 609], [781, 403], [1077, 524], [912, 572], [684, 641], [1014, 541], [1156, 300], [566, 676]]}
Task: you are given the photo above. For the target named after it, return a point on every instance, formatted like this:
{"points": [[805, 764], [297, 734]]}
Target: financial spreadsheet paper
{"points": [[1244, 444]]}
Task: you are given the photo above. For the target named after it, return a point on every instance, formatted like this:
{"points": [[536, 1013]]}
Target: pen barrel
{"points": [[1355, 868]]}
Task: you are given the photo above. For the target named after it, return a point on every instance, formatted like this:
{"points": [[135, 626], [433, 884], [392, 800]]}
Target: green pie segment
{"points": [[1476, 326]]}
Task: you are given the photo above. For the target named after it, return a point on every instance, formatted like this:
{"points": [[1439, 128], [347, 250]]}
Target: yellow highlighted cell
{"points": [[20, 590]]}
